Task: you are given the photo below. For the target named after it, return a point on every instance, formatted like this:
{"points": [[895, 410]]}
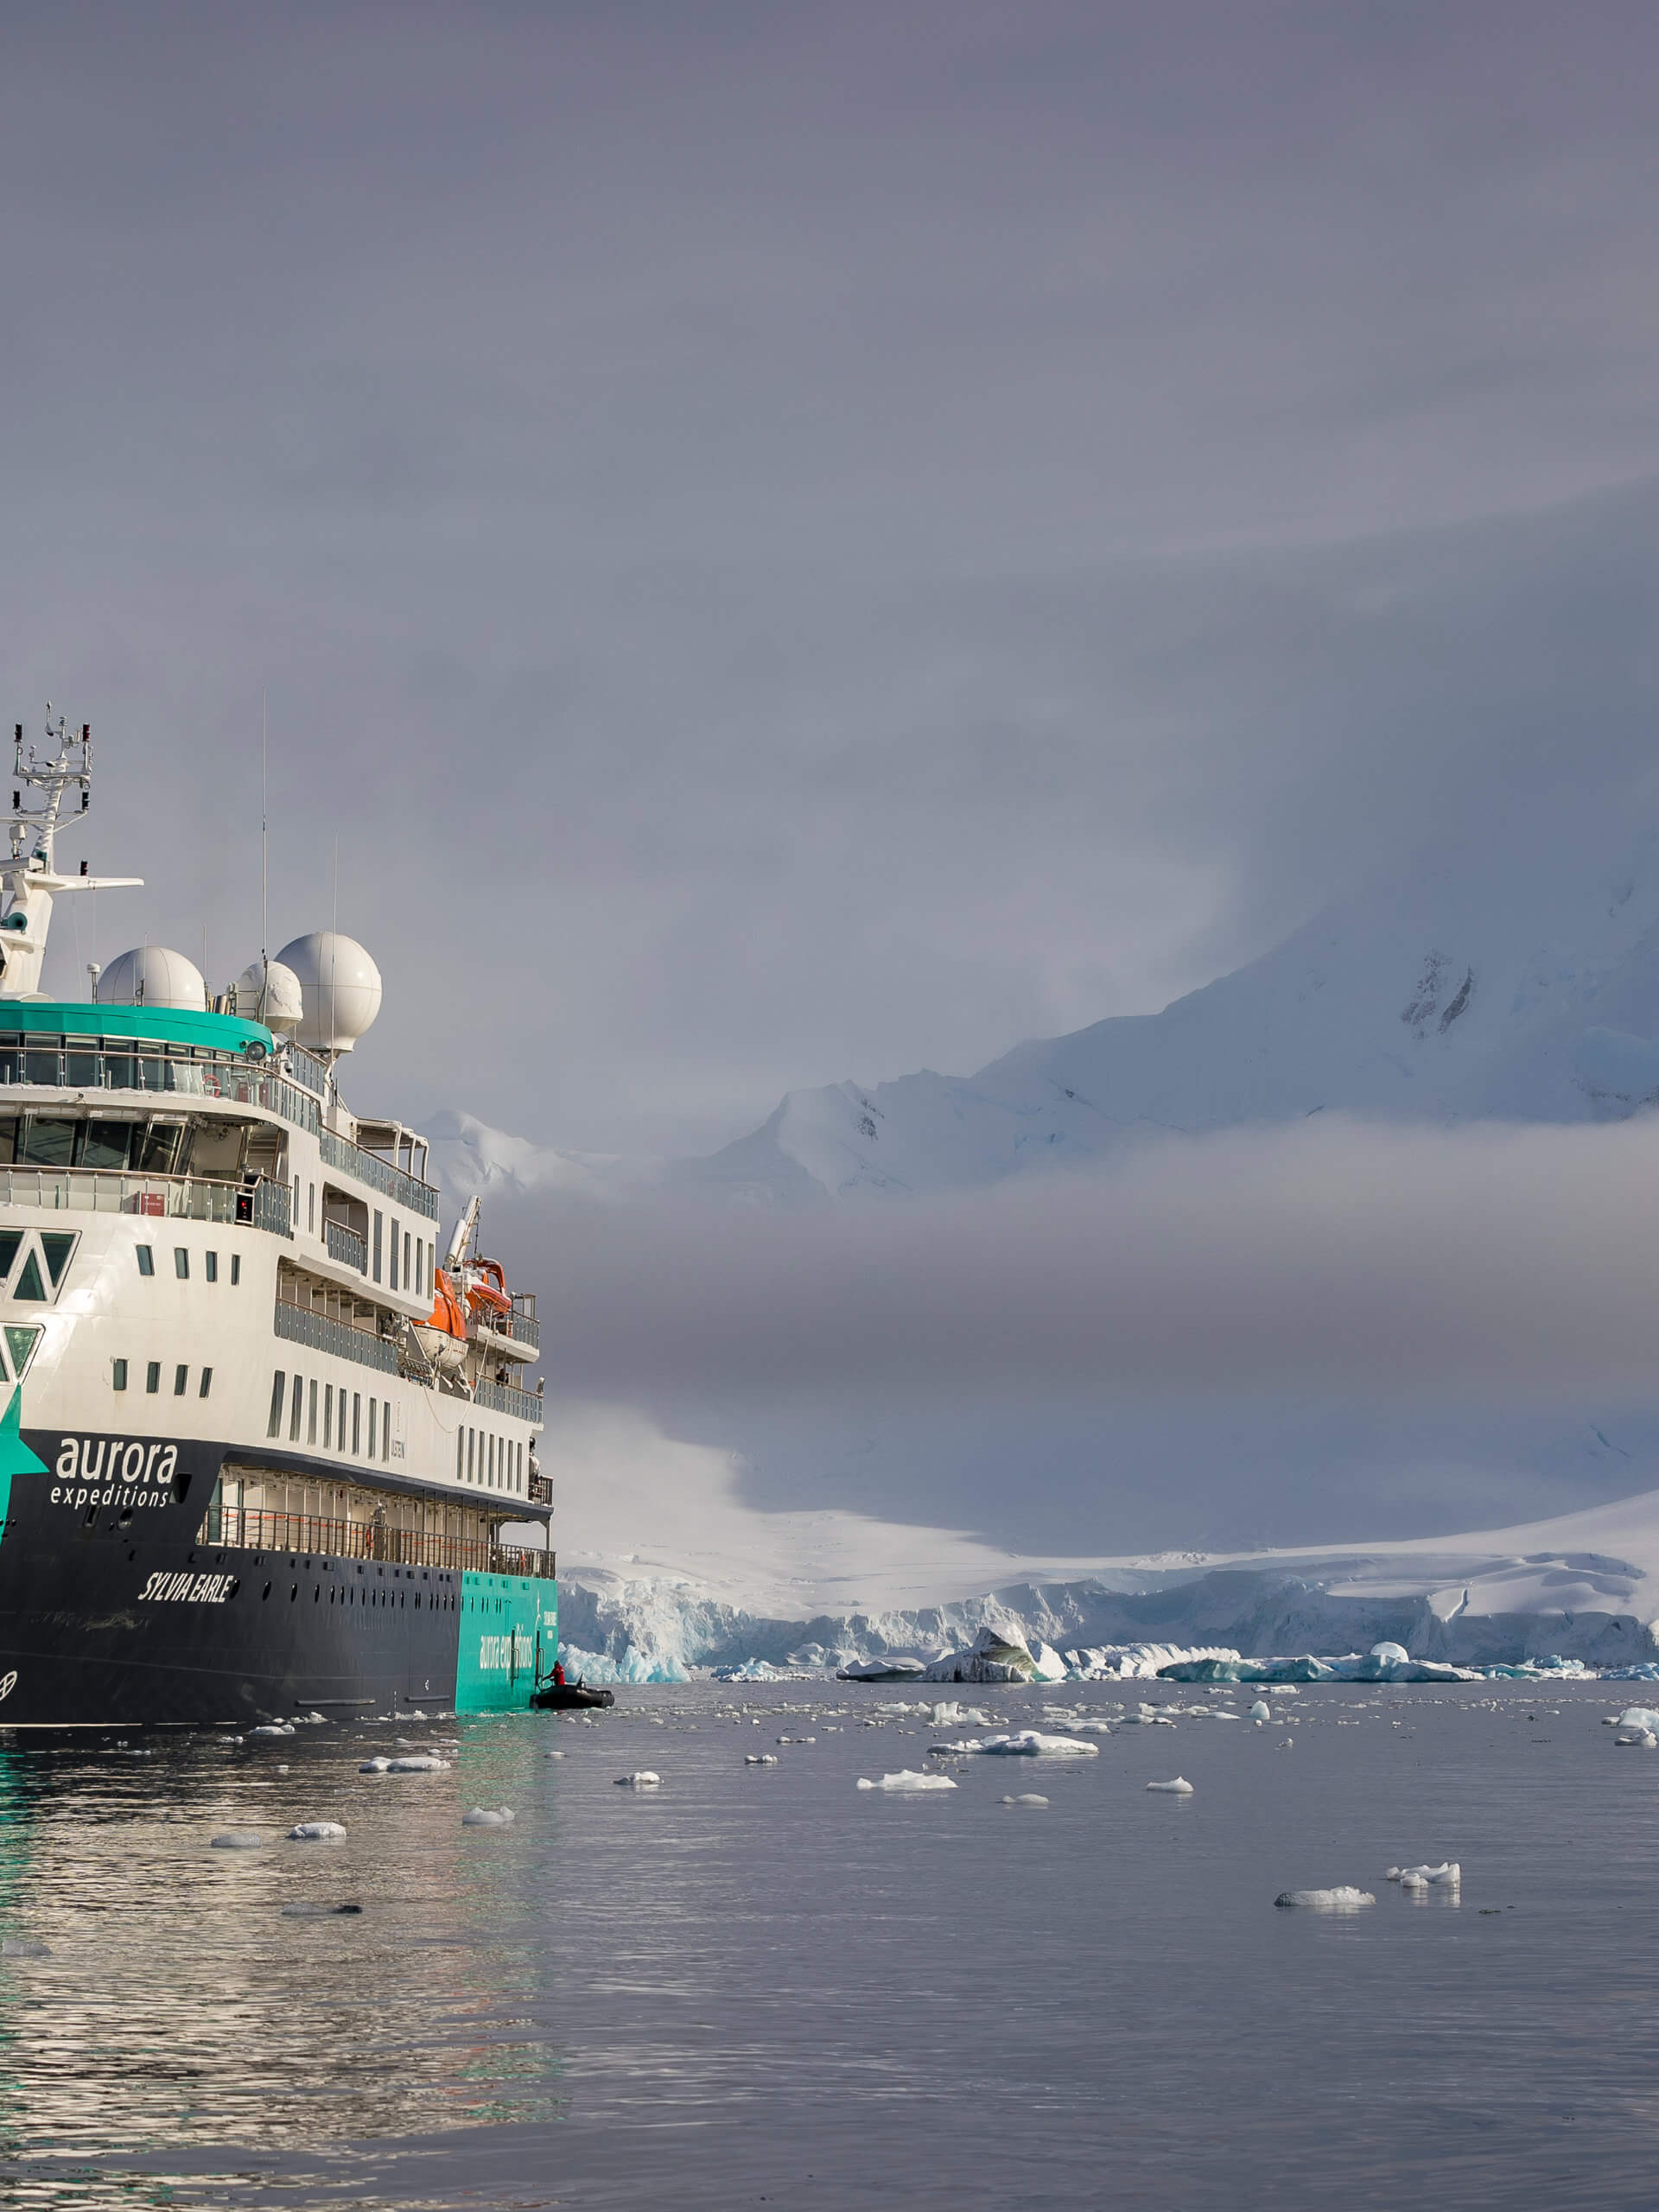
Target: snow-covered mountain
{"points": [[1519, 984], [1526, 989]]}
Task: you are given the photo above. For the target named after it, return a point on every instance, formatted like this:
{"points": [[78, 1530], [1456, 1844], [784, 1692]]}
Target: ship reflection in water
{"points": [[180, 2005]]}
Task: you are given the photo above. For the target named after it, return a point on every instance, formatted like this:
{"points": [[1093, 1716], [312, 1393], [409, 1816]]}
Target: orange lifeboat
{"points": [[443, 1334]]}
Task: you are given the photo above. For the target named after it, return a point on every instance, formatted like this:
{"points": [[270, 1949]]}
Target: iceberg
{"points": [[1343, 1899], [883, 1671], [999, 1655], [1181, 1787], [1640, 1716], [906, 1783], [1028, 1743], [1446, 1876]]}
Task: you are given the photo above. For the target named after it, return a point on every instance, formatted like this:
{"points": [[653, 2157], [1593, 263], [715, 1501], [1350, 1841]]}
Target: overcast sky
{"points": [[790, 541]]}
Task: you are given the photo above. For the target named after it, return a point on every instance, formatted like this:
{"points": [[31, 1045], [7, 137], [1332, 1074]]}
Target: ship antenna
{"points": [[264, 865]]}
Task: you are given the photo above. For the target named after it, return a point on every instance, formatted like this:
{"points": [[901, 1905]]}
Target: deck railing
{"points": [[503, 1398], [379, 1175], [173, 1197], [522, 1328], [72, 1064], [232, 1527], [346, 1246], [322, 1333]]}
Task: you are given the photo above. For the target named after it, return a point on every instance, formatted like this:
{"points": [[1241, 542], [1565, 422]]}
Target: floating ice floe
{"points": [[1028, 1743], [1179, 1788], [906, 1781], [1637, 1739], [22, 1947], [273, 1728], [1448, 1875], [317, 1832], [552, 1754], [238, 1840], [373, 1766], [488, 1816], [1640, 1716], [643, 1779], [1343, 1900], [418, 1763], [1259, 1713], [759, 1758], [306, 1910], [1026, 1797]]}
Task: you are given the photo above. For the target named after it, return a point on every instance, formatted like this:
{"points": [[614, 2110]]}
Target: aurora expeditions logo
{"points": [[103, 1470]]}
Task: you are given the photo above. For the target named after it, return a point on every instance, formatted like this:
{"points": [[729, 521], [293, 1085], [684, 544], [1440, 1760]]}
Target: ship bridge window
{"points": [[7, 1130], [105, 1143], [10, 1240], [28, 1284], [48, 1143], [156, 1149]]}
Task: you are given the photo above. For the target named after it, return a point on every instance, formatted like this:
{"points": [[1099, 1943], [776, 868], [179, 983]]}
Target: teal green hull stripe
{"points": [[504, 1619]]}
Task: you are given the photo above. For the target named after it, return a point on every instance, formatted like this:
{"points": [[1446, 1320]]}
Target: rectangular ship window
{"points": [[120, 1375], [374, 1408], [279, 1385], [299, 1410], [469, 1455], [206, 1382], [180, 1378], [311, 1415], [385, 1431], [406, 1275], [153, 1376], [181, 1262], [357, 1419], [210, 1266], [392, 1280], [328, 1419], [146, 1260], [311, 1208], [236, 1267], [461, 1455], [378, 1220]]}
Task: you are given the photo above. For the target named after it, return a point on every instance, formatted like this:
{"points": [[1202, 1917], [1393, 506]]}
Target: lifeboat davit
{"points": [[443, 1335]]}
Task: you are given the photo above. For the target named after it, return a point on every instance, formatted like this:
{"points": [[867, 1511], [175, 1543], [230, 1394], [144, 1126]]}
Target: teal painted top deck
{"points": [[164, 1025]]}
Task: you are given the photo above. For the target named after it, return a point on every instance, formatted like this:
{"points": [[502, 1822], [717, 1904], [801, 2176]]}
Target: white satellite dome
{"points": [[339, 985], [151, 975], [266, 991]]}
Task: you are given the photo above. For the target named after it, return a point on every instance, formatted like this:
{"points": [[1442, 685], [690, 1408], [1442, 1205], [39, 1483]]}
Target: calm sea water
{"points": [[759, 1985]]}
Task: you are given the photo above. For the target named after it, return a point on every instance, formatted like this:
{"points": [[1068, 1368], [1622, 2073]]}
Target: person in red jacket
{"points": [[558, 1675]]}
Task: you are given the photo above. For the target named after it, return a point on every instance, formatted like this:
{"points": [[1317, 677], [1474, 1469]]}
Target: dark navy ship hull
{"points": [[112, 1612]]}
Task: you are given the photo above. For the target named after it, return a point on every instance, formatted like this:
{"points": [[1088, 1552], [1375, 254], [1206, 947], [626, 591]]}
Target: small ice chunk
{"points": [[373, 1766], [1343, 1900], [1179, 1788], [238, 1840], [317, 1832], [907, 1782], [552, 1754], [22, 1947], [1640, 1716], [1259, 1712], [1638, 1739], [418, 1763], [1026, 1797], [273, 1728], [486, 1816], [1446, 1876], [759, 1758], [643, 1779]]}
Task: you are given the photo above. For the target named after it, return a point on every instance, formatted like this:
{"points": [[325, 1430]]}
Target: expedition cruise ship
{"points": [[265, 1435]]}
